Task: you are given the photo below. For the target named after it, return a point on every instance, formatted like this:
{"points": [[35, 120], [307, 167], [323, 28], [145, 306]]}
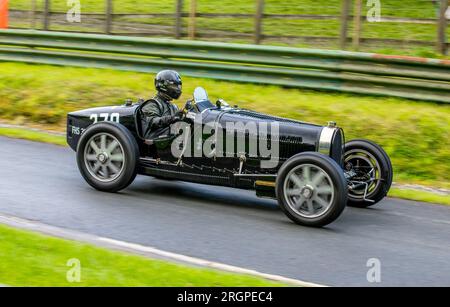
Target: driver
{"points": [[159, 111]]}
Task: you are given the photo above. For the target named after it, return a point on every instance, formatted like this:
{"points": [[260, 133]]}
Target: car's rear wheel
{"points": [[373, 172], [311, 189], [107, 155]]}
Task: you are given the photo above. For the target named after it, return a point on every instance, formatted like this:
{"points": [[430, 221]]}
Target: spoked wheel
{"points": [[372, 172], [311, 189], [104, 157], [107, 156]]}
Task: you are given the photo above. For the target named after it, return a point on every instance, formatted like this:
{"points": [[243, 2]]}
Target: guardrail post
{"points": [[192, 16], [33, 14], [108, 16], [357, 18], [46, 16], [344, 23], [178, 18], [258, 20], [442, 25]]}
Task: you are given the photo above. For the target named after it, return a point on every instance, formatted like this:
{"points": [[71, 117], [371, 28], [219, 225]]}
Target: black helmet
{"points": [[168, 82]]}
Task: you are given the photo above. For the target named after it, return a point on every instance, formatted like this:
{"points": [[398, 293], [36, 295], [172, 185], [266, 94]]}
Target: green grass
{"points": [[30, 259], [415, 134], [411, 8], [26, 134], [291, 27], [423, 196]]}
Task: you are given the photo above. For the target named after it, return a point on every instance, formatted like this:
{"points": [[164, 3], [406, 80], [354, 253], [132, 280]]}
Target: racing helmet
{"points": [[168, 82]]}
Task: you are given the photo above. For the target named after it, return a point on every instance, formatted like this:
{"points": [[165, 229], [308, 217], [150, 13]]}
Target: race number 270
{"points": [[106, 117]]}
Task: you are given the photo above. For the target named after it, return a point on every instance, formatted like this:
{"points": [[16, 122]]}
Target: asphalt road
{"points": [[411, 240]]}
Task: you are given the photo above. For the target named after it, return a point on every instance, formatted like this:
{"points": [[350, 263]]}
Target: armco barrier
{"points": [[361, 73]]}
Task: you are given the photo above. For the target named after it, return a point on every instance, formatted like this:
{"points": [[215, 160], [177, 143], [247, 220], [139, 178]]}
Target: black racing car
{"points": [[308, 168]]}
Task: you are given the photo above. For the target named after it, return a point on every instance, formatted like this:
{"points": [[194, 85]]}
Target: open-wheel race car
{"points": [[308, 168]]}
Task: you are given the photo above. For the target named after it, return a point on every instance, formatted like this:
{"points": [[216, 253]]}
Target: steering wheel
{"points": [[189, 106], [188, 110]]}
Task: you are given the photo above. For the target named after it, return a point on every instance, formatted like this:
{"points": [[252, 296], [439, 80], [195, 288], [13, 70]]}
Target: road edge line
{"points": [[142, 250]]}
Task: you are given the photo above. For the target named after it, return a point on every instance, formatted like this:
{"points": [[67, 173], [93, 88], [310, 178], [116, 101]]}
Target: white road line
{"points": [[142, 250]]}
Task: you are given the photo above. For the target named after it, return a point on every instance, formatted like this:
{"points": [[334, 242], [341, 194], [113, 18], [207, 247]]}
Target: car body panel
{"points": [[239, 170]]}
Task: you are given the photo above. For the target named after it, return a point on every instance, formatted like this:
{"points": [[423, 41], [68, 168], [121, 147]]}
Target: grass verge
{"points": [[23, 133], [422, 196], [30, 259], [31, 135]]}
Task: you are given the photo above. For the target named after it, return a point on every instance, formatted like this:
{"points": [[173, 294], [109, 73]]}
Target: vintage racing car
{"points": [[308, 168]]}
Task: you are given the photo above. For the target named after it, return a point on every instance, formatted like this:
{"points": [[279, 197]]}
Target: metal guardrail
{"points": [[352, 72]]}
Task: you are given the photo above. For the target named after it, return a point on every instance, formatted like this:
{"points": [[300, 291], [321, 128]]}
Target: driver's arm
{"points": [[157, 118]]}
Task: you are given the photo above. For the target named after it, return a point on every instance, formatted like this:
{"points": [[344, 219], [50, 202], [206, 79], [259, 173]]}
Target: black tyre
{"points": [[107, 156], [373, 170], [311, 189]]}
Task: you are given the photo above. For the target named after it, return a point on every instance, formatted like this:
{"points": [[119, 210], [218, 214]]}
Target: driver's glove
{"points": [[179, 115], [167, 120]]}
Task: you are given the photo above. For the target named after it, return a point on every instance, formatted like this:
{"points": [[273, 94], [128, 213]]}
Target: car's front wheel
{"points": [[107, 155], [372, 172], [311, 189]]}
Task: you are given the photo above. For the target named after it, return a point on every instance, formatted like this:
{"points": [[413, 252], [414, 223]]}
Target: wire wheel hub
{"points": [[367, 170]]}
